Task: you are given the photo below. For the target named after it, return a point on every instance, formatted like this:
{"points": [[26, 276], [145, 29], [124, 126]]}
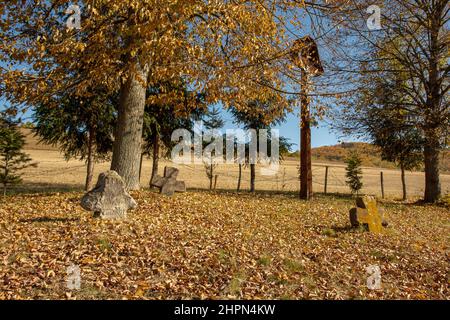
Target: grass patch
{"points": [[234, 287], [104, 244], [330, 233], [293, 265], [264, 261]]}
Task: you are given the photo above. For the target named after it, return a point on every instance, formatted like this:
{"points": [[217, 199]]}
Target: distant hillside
{"points": [[369, 154], [32, 142]]}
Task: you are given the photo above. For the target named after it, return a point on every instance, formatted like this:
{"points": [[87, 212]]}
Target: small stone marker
{"points": [[109, 199], [168, 184], [367, 212]]}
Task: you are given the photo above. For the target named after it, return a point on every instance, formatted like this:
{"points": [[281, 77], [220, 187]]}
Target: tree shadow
{"points": [[421, 203], [348, 229], [44, 188], [268, 193], [321, 229], [48, 219]]}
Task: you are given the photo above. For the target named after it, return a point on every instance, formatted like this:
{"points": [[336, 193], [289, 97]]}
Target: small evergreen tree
{"points": [[12, 159], [354, 172], [213, 121]]}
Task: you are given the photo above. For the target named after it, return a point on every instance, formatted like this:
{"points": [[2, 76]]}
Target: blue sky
{"points": [[320, 136]]}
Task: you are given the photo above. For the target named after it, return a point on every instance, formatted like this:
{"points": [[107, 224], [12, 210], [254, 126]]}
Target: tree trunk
{"points": [[6, 174], [211, 171], [155, 156], [305, 142], [252, 177], [128, 131], [90, 160], [239, 178], [431, 155], [434, 98], [140, 165], [402, 168], [215, 181]]}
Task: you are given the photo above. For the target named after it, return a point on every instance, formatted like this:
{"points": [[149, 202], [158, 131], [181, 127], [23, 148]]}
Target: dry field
{"points": [[55, 173]]}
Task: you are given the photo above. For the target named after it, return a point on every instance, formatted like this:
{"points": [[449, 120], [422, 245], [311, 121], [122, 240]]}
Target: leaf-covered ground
{"points": [[222, 245]]}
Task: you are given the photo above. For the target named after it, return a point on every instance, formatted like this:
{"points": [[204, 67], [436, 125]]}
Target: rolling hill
{"points": [[370, 155]]}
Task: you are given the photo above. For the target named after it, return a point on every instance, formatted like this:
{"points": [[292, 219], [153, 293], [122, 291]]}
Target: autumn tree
{"points": [[382, 120], [411, 37], [12, 158], [216, 46], [81, 127]]}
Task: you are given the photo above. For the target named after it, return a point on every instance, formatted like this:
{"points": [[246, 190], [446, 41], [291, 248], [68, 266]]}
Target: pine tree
{"points": [[12, 159], [81, 127], [161, 119], [354, 172], [213, 121], [260, 114], [399, 144]]}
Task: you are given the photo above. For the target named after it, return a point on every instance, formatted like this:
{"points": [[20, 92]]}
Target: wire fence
{"points": [[287, 179], [53, 171]]}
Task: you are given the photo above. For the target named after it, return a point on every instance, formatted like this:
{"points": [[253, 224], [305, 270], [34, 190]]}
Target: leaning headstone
{"points": [[168, 184], [109, 199], [368, 213]]}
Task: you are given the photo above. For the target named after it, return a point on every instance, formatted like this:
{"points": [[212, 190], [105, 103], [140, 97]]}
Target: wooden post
{"points": [[382, 185], [326, 180], [306, 56], [305, 141]]}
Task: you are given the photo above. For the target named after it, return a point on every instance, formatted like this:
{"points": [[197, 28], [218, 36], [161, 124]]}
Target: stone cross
{"points": [[109, 199], [367, 212], [168, 184]]}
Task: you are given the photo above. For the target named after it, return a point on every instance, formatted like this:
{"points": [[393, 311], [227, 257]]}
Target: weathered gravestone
{"points": [[367, 213], [109, 199], [168, 184]]}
